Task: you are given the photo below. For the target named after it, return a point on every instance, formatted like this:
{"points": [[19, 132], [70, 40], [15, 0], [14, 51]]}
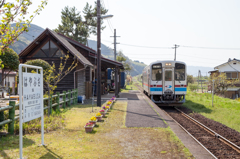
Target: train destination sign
{"points": [[30, 99]]}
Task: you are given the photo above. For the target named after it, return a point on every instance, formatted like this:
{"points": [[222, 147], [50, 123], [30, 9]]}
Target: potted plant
{"points": [[99, 116], [88, 127], [102, 112], [109, 103], [93, 120], [107, 107]]}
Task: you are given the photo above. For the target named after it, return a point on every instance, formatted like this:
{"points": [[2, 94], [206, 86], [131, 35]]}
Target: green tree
{"points": [[122, 59], [55, 75], [221, 83], [15, 11], [10, 62], [52, 75], [75, 26], [72, 25], [190, 79], [90, 15]]}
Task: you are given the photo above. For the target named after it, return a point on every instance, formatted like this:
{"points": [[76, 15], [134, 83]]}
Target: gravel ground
{"points": [[219, 149], [223, 130]]}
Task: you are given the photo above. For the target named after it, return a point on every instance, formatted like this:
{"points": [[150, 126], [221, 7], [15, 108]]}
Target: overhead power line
{"points": [[147, 46], [217, 48]]}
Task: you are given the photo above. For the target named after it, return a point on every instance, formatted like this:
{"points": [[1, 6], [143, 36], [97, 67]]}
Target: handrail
{"points": [[6, 108], [5, 122]]}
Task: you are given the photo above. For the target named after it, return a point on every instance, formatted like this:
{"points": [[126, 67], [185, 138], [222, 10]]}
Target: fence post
{"points": [[64, 99], [76, 96], [1, 118], [51, 104], [69, 98], [73, 96], [58, 100], [12, 117]]}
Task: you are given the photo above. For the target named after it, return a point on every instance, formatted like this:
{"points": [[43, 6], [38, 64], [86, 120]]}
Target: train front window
{"points": [[179, 72], [168, 75], [157, 72]]}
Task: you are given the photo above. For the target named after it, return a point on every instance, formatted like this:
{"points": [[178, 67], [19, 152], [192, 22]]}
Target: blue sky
{"points": [[163, 23]]}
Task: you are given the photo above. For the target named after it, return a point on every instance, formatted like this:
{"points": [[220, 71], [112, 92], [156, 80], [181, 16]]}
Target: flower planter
{"points": [[99, 118], [103, 113], [88, 128], [93, 122], [106, 111]]}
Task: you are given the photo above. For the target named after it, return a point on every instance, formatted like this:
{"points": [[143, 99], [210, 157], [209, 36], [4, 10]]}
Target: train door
{"points": [[168, 84]]}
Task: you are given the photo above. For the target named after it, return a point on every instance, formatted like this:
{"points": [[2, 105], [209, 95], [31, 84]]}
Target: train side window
{"points": [[157, 72], [179, 72]]}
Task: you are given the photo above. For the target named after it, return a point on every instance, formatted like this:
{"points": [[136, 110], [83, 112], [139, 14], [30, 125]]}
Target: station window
{"points": [[49, 50], [157, 72], [179, 72]]}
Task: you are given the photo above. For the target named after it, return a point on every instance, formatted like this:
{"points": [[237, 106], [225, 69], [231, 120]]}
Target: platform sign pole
{"points": [[20, 112], [30, 99]]}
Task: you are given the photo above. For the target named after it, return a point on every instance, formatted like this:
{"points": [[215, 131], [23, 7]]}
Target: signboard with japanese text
{"points": [[30, 99], [32, 103]]}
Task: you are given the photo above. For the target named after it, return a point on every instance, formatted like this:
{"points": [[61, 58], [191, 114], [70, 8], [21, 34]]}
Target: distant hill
{"points": [[26, 38], [34, 31], [193, 70]]}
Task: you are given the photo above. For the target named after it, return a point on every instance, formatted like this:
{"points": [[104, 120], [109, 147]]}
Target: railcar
{"points": [[165, 82]]}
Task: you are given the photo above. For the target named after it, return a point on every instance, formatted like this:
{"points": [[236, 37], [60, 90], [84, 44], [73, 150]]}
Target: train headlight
{"points": [[168, 64]]}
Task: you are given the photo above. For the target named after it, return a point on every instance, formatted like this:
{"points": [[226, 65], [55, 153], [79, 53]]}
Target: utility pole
{"points": [[98, 53], [116, 69], [175, 47]]}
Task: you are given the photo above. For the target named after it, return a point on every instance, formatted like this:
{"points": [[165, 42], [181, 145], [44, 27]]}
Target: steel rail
{"points": [[190, 135], [221, 138]]}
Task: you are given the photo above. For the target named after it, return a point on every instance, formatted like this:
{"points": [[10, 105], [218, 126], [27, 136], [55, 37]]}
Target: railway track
{"points": [[213, 142]]}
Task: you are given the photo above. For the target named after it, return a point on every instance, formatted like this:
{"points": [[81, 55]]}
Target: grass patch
{"points": [[110, 139], [129, 87], [225, 111]]}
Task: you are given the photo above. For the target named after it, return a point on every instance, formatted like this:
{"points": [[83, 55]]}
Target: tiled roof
{"points": [[227, 62], [77, 43]]}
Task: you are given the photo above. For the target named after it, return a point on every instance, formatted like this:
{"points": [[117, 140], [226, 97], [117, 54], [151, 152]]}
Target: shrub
{"points": [[193, 87], [10, 59], [51, 123], [41, 63]]}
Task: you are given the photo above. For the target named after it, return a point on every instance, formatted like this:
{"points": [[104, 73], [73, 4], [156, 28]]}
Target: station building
{"points": [[51, 46]]}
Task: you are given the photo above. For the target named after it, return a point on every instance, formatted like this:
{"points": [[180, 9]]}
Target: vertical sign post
{"points": [[30, 99]]}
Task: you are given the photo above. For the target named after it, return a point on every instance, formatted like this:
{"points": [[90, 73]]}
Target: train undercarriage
{"points": [[167, 99]]}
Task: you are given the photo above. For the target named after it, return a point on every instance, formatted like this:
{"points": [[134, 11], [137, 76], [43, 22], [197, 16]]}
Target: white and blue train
{"points": [[165, 82]]}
